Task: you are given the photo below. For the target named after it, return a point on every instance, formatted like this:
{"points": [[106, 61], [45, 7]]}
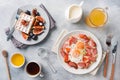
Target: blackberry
{"points": [[28, 12], [38, 14], [35, 37], [31, 35]]}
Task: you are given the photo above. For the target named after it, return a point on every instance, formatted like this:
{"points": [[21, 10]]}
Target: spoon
{"points": [[5, 54]]}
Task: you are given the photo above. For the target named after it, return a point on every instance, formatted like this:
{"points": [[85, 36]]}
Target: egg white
{"points": [[76, 59]]}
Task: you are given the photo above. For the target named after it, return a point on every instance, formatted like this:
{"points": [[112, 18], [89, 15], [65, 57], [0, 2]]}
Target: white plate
{"points": [[17, 34], [80, 71]]}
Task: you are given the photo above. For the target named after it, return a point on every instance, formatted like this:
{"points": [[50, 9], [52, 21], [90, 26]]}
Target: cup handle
{"points": [[81, 3], [41, 75]]}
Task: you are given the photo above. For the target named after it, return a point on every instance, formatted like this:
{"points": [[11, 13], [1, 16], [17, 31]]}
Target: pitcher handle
{"points": [[81, 3]]}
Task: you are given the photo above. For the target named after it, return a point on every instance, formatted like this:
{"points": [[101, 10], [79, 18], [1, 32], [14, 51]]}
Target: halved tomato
{"points": [[73, 64], [93, 59], [87, 46], [83, 36], [88, 54], [82, 65], [67, 49], [86, 59], [66, 59], [92, 43], [88, 50], [62, 52], [94, 52], [87, 64], [72, 40]]}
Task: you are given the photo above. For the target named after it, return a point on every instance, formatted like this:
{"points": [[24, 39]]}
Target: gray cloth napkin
{"points": [[21, 45]]}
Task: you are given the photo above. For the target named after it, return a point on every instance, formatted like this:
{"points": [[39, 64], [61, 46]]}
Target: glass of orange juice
{"points": [[97, 18]]}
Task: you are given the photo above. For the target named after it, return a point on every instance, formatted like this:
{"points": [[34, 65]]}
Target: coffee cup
{"points": [[33, 69]]}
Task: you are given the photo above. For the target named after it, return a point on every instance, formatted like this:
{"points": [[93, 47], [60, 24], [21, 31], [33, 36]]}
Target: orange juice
{"points": [[96, 18], [17, 59]]}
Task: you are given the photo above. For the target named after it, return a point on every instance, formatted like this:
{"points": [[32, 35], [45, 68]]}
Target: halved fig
{"points": [[39, 18], [36, 23], [24, 22], [34, 12], [37, 31], [24, 35], [39, 27]]}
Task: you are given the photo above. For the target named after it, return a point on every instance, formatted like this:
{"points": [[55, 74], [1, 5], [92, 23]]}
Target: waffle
{"points": [[19, 26]]}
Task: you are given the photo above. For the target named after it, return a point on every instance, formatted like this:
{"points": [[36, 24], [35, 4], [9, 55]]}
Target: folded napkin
{"points": [[21, 45], [55, 46]]}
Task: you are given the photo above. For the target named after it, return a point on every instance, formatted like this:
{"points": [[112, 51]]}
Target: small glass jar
{"points": [[97, 18]]}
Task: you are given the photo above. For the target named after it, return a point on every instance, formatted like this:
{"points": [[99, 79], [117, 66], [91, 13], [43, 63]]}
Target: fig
{"points": [[34, 12], [25, 36], [39, 18], [37, 31], [39, 27]]}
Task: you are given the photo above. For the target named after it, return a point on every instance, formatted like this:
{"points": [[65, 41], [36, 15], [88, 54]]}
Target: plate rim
{"points": [[58, 51]]}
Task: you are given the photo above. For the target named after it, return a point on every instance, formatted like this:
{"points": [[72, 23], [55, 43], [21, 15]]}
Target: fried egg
{"points": [[77, 52]]}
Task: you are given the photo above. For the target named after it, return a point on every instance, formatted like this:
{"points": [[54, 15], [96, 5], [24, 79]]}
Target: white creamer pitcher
{"points": [[74, 12]]}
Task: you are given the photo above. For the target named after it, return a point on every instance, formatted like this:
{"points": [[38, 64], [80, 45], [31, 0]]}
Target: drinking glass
{"points": [[43, 54], [97, 17]]}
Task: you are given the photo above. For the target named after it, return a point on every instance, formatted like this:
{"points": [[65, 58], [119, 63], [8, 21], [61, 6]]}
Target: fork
{"points": [[19, 11], [108, 43]]}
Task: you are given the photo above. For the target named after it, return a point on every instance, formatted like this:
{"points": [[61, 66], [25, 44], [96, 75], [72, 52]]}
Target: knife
{"points": [[113, 61], [13, 28]]}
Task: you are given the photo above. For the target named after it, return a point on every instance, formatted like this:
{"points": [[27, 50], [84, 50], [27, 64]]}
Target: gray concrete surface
{"points": [[57, 9]]}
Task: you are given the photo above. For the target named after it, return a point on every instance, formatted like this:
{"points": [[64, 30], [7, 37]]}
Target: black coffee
{"points": [[33, 68]]}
